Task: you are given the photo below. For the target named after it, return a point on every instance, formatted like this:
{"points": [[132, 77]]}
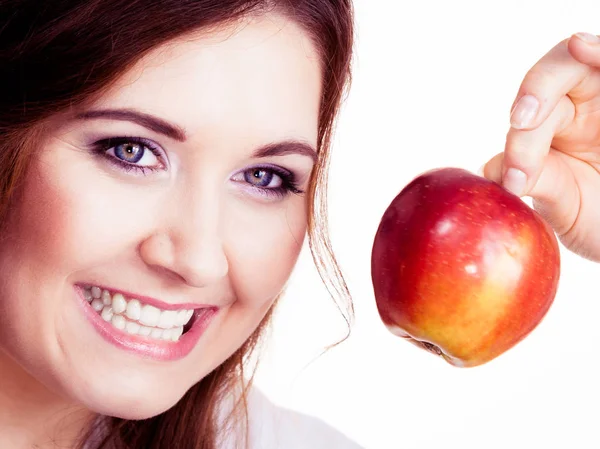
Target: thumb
{"points": [[555, 195]]}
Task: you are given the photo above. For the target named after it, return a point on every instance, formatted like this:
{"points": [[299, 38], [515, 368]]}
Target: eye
{"points": [[268, 181], [131, 153], [263, 178], [134, 153]]}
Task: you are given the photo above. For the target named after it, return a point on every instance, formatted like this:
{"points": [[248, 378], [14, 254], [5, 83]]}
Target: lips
{"points": [[158, 330], [135, 317]]}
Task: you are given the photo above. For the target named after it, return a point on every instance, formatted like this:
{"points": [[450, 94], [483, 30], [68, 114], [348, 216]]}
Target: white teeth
{"points": [[176, 333], [134, 310], [97, 305], [118, 321], [107, 313], [150, 315], [167, 319], [106, 298], [132, 327], [118, 303], [96, 292], [181, 318], [136, 318]]}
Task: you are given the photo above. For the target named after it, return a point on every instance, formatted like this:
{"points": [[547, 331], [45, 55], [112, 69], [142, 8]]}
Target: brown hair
{"points": [[58, 54]]}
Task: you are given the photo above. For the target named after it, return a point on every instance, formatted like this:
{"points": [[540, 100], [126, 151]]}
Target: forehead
{"points": [[261, 77]]}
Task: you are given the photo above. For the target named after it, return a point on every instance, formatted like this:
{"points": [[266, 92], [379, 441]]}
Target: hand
{"points": [[552, 151]]}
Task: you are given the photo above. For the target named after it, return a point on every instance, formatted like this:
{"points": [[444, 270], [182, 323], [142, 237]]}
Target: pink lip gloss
{"points": [[147, 346]]}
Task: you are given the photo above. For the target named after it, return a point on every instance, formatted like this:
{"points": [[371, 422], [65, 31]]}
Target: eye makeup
{"points": [[126, 152], [121, 147]]}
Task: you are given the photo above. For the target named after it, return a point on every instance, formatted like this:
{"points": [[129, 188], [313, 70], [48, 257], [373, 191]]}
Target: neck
{"points": [[32, 416]]}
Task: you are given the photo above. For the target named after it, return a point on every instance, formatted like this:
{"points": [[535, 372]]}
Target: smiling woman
{"points": [[160, 165]]}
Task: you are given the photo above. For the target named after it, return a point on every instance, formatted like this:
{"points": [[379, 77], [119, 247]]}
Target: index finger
{"points": [[555, 75]]}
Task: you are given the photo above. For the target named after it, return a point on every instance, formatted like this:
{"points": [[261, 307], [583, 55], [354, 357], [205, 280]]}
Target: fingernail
{"points": [[515, 181], [588, 37], [524, 112]]}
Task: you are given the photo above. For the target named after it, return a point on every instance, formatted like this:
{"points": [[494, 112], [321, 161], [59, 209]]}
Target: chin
{"points": [[128, 401], [133, 406]]}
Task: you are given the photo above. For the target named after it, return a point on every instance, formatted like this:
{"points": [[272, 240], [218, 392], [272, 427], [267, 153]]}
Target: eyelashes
{"points": [[126, 153], [281, 181], [143, 157]]}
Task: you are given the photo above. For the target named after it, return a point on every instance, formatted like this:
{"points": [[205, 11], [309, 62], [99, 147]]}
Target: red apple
{"points": [[462, 267]]}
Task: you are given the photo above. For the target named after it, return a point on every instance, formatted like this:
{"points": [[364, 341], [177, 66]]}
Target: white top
{"points": [[274, 427]]}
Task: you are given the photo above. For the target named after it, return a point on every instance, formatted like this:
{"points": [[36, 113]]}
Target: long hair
{"points": [[58, 54]]}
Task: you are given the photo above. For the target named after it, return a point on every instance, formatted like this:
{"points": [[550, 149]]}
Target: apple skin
{"points": [[462, 267]]}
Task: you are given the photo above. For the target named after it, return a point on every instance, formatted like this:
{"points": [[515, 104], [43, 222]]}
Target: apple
{"points": [[462, 267]]}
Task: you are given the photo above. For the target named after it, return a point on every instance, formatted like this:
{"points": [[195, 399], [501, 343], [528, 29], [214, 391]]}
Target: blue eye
{"points": [[260, 177], [131, 153], [269, 180]]}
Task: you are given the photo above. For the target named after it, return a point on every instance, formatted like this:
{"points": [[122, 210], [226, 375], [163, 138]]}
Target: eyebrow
{"points": [[286, 147], [148, 121], [175, 132]]}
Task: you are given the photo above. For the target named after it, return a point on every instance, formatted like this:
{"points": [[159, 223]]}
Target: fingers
{"points": [[558, 73], [585, 48], [550, 79], [556, 195], [526, 150], [556, 101], [544, 107]]}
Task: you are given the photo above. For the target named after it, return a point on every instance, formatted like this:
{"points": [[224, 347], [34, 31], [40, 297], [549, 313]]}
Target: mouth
{"points": [[158, 330]]}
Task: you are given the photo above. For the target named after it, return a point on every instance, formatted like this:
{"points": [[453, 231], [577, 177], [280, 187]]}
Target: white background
{"points": [[433, 86]]}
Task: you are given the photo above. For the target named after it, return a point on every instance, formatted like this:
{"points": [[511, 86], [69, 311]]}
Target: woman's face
{"points": [[177, 195]]}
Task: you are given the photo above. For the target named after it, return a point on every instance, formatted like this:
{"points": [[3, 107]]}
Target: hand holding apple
{"points": [[462, 267], [552, 151]]}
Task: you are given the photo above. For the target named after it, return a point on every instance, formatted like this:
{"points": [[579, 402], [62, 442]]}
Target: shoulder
{"points": [[274, 427]]}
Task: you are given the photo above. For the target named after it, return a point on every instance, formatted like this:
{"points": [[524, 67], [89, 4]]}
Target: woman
{"points": [[161, 164], [162, 161]]}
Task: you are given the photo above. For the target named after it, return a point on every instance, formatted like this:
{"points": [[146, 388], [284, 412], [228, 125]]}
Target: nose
{"points": [[189, 245]]}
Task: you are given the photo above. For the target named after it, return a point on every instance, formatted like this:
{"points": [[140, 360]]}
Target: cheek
{"points": [[71, 217], [263, 249], [43, 220]]}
